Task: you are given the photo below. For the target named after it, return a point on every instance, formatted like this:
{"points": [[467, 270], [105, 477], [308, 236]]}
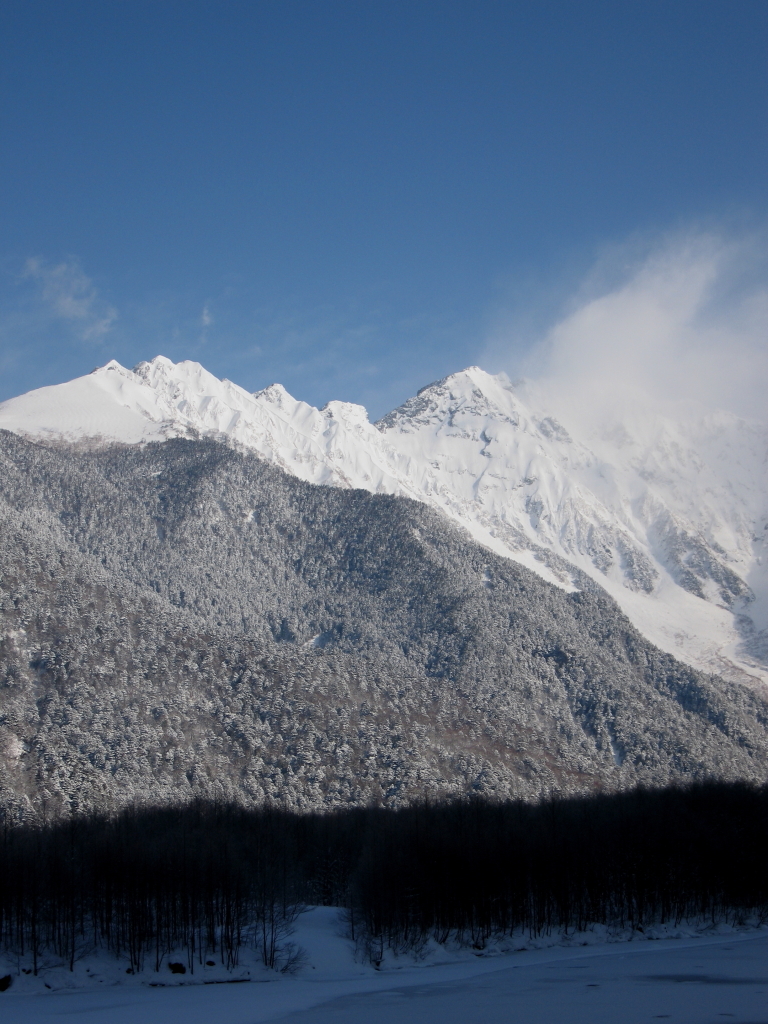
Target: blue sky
{"points": [[354, 198]]}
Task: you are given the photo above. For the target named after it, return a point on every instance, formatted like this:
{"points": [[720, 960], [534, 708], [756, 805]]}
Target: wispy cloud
{"points": [[686, 321], [69, 294]]}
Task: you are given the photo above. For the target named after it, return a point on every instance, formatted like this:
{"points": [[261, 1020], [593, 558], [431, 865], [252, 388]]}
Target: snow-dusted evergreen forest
{"points": [[182, 620]]}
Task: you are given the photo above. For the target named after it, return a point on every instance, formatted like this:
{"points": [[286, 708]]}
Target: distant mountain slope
{"points": [[670, 518], [183, 619]]}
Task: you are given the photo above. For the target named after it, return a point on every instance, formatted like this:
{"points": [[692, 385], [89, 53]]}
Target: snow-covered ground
{"points": [[717, 975], [669, 515]]}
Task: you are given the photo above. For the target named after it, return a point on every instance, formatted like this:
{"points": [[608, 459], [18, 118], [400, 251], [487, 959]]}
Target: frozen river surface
{"points": [[688, 981]]}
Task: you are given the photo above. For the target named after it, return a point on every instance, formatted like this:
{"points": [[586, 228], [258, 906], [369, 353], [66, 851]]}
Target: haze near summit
{"points": [[355, 200], [682, 331]]}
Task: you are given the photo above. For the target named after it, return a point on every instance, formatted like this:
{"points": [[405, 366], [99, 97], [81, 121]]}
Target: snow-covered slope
{"points": [[671, 517]]}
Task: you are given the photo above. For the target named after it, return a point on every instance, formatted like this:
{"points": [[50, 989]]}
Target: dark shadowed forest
{"points": [[210, 878]]}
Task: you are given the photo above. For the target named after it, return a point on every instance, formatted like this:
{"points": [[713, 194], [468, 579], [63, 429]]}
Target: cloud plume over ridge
{"points": [[684, 325]]}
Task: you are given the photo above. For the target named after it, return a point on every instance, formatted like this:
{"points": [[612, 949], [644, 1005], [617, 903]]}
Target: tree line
{"points": [[210, 878]]}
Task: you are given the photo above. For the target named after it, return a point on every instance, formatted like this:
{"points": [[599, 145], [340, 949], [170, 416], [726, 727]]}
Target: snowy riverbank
{"points": [[592, 976]]}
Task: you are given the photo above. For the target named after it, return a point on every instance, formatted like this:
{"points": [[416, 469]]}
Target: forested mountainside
{"points": [[182, 619]]}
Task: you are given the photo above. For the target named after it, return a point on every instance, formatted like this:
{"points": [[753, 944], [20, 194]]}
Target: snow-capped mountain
{"points": [[670, 517]]}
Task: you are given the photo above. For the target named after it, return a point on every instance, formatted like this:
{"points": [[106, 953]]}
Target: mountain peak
{"points": [[471, 391], [346, 412], [471, 377], [275, 394], [161, 369], [159, 360], [107, 367]]}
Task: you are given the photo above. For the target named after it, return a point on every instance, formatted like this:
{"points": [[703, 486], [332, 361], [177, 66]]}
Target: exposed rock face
{"points": [[183, 619]]}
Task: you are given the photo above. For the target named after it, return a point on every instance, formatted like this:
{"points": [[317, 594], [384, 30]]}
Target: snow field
{"points": [[718, 974]]}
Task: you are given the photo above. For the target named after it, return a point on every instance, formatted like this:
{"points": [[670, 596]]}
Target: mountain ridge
{"points": [[670, 518]]}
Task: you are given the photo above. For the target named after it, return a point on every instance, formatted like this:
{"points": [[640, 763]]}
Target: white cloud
{"points": [[687, 322], [70, 295], [206, 319]]}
